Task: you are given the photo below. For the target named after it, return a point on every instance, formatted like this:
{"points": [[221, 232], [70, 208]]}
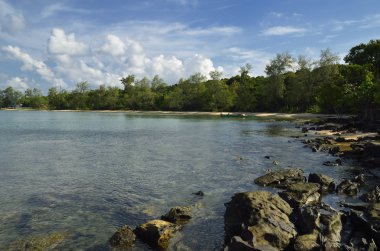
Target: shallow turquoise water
{"points": [[88, 173]]}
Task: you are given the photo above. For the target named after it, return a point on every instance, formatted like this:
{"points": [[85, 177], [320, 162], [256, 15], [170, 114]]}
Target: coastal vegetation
{"points": [[290, 85]]}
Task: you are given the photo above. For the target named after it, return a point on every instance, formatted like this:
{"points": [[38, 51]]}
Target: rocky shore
{"points": [[295, 218], [289, 212]]}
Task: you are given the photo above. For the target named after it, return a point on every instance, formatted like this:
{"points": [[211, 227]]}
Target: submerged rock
{"points": [[45, 242], [123, 238], [372, 196], [178, 215], [199, 193], [327, 183], [281, 178], [157, 233], [301, 194], [260, 219]]}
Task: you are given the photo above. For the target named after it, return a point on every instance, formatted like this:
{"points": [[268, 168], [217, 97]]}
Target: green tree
{"points": [[11, 97], [366, 54]]}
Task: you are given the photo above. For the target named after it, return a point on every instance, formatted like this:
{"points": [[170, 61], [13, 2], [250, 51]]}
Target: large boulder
{"points": [[123, 238], [261, 219], [157, 233], [327, 183], [281, 178], [178, 215], [301, 194]]}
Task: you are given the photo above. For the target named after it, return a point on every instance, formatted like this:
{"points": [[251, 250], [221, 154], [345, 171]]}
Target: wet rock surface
{"points": [[372, 196], [281, 178], [301, 194], [178, 215], [259, 221], [123, 238], [350, 187], [327, 183], [157, 233]]}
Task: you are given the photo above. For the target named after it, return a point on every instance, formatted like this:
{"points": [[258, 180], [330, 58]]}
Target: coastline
{"points": [[201, 113]]}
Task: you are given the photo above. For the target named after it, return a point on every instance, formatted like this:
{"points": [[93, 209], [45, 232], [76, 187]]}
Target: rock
{"points": [[123, 238], [327, 183], [261, 219], [238, 244], [348, 187], [281, 177], [307, 242], [178, 215], [337, 162], [308, 220], [199, 193], [301, 194], [372, 196], [46, 242], [374, 213], [304, 130], [267, 157], [356, 206], [331, 236], [367, 222], [157, 233]]}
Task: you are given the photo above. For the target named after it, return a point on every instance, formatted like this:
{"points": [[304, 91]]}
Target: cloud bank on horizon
{"points": [[45, 44]]}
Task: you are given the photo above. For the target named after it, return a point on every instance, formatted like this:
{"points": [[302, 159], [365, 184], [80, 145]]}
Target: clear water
{"points": [[88, 173]]}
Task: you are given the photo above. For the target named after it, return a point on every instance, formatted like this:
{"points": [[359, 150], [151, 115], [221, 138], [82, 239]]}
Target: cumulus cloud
{"points": [[60, 43], [31, 64], [283, 30], [18, 83], [114, 46], [11, 20], [198, 63]]}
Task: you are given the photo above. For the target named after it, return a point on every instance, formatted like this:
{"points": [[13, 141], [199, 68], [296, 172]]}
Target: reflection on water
{"points": [[86, 174]]}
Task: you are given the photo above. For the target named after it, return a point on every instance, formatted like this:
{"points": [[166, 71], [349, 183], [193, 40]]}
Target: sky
{"points": [[46, 44]]}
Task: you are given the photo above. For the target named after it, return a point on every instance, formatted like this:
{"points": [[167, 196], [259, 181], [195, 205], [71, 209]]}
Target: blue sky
{"points": [[47, 43]]}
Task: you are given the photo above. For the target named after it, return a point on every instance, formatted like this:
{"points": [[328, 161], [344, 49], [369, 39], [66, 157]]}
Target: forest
{"points": [[291, 84]]}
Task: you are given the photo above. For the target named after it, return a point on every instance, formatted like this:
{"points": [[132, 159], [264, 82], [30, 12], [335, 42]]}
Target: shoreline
{"points": [[268, 115]]}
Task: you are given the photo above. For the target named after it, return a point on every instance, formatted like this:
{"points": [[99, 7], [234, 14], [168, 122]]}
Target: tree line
{"points": [[290, 85]]}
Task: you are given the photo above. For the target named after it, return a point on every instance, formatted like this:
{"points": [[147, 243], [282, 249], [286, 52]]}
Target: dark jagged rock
{"points": [[261, 219], [331, 233], [327, 183], [337, 162], [157, 233], [301, 194], [305, 130], [372, 196], [123, 238], [178, 215], [348, 187], [308, 219], [281, 178]]}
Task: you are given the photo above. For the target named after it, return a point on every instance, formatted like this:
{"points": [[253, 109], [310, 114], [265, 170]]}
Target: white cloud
{"points": [[60, 43], [114, 46], [258, 59], [283, 30], [18, 83], [198, 63], [11, 20], [31, 64]]}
